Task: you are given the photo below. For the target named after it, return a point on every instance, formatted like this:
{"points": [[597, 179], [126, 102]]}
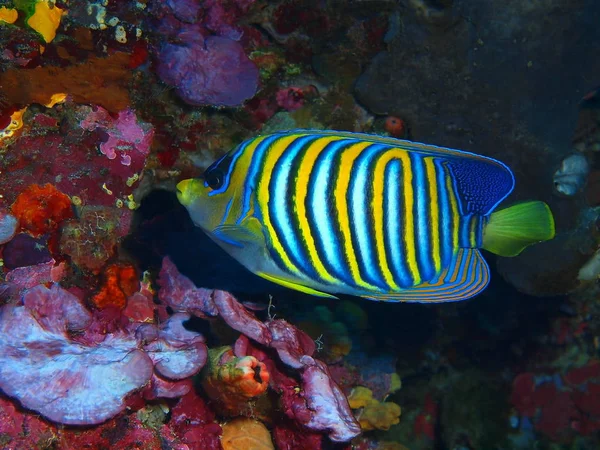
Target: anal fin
{"points": [[467, 275]]}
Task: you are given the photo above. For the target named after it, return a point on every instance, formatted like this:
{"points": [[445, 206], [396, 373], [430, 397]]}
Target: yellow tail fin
{"points": [[510, 230]]}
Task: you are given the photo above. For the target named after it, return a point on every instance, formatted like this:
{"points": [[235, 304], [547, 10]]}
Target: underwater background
{"points": [[124, 326]]}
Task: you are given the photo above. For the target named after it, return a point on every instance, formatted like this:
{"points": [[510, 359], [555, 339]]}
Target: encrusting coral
{"points": [[98, 81], [373, 414], [246, 434]]}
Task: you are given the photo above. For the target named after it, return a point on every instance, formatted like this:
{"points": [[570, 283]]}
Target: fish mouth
{"points": [[182, 191]]}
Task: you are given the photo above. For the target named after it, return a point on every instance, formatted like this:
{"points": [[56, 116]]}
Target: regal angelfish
{"points": [[328, 212]]}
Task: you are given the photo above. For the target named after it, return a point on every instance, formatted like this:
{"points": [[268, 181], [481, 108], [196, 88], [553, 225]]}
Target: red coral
{"points": [[19, 429], [395, 126], [195, 422], [120, 282], [139, 54], [556, 415], [41, 209], [291, 98], [522, 394], [589, 402], [426, 421], [289, 436], [168, 157], [580, 375]]}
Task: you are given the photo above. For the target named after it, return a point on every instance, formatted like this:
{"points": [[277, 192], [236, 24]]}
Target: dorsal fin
{"points": [[466, 276]]}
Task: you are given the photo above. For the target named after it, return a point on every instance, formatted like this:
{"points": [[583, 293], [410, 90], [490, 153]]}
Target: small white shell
{"points": [[571, 175], [8, 226], [591, 269]]}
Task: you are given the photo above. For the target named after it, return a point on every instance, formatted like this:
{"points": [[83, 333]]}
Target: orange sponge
{"points": [[120, 282], [41, 209]]}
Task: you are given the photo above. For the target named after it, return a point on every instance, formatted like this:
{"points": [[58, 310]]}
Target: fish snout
{"points": [[183, 192]]}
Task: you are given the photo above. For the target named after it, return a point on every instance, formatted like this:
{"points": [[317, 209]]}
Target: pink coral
{"points": [[291, 98], [127, 137], [559, 407], [72, 162], [30, 276]]}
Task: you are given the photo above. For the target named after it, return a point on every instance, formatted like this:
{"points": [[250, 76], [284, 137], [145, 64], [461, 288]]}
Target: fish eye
{"points": [[213, 178]]}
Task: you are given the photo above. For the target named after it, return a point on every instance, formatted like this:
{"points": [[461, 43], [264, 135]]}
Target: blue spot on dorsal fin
{"points": [[481, 184]]}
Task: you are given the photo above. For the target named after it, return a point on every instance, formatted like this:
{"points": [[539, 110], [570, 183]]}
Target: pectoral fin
{"points": [[248, 233]]}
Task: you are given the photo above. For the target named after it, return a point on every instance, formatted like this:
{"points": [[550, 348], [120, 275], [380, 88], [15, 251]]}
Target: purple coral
{"points": [[55, 360], [213, 71], [185, 10], [177, 353], [178, 292], [24, 250], [49, 372]]}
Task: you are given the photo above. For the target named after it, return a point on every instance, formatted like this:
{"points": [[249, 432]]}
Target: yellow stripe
{"points": [[434, 210], [472, 232], [455, 217], [377, 209], [348, 157], [270, 158], [409, 226], [244, 161], [306, 166]]}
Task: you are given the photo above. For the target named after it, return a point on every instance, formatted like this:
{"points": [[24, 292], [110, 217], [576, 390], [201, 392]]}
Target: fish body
{"points": [[329, 212]]}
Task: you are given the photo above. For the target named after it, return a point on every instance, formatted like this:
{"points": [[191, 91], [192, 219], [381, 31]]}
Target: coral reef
{"points": [[105, 343]]}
